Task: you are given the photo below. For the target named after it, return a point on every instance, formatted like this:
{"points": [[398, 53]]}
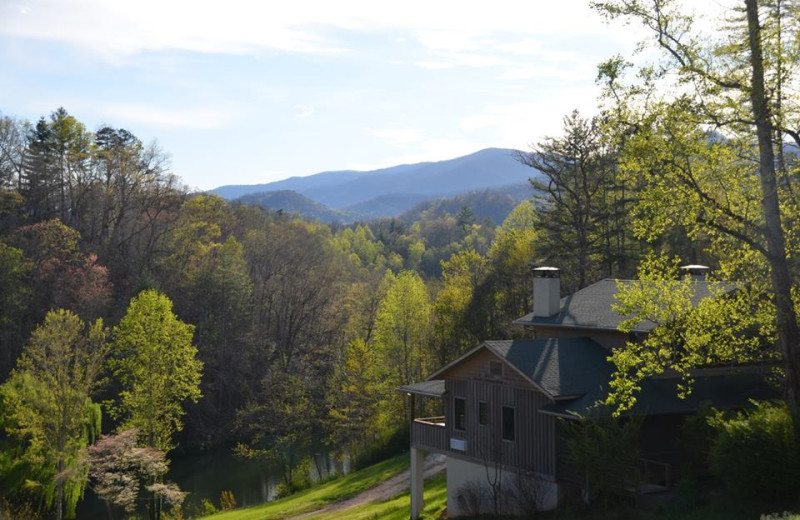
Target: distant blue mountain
{"points": [[398, 188]]}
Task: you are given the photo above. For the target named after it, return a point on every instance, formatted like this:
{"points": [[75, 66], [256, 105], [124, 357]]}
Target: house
{"points": [[504, 402]]}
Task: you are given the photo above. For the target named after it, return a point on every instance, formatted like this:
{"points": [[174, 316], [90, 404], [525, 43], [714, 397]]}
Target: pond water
{"points": [[207, 475]]}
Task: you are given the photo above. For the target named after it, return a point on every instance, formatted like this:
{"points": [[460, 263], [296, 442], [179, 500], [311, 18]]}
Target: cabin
{"points": [[504, 403]]}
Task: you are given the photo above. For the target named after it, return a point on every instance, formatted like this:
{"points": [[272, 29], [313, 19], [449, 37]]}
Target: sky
{"points": [[247, 92]]}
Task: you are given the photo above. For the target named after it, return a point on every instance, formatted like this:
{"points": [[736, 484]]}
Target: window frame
{"points": [[462, 424], [504, 424]]}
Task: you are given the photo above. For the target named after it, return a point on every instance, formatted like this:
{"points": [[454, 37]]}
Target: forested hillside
{"points": [[187, 322], [139, 320]]}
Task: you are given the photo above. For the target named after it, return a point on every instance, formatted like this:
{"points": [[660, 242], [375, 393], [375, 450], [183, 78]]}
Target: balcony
{"points": [[429, 434]]}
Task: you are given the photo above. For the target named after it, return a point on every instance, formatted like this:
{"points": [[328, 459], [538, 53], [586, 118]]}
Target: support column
{"points": [[417, 480]]}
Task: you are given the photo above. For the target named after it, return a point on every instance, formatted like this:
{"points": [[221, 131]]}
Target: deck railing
{"points": [[429, 433]]}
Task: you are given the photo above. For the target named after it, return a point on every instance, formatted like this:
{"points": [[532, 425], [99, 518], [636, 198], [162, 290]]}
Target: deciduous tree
{"points": [[733, 101], [48, 403], [157, 366]]}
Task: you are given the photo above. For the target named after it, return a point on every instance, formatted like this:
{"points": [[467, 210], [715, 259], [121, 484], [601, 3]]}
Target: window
{"points": [[508, 423], [495, 368], [460, 413], [483, 413]]}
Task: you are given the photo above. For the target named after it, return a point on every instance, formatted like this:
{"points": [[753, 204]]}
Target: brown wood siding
{"points": [[477, 368], [534, 446], [429, 437]]}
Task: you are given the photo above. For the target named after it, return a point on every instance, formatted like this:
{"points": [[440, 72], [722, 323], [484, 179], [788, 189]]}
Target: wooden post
{"points": [[417, 480]]}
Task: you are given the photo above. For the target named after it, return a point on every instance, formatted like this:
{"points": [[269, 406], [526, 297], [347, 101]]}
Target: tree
{"points": [[157, 366], [731, 326], [48, 403], [63, 276], [505, 292], [118, 467], [402, 329], [14, 297], [356, 391], [581, 203], [732, 107], [457, 324]]}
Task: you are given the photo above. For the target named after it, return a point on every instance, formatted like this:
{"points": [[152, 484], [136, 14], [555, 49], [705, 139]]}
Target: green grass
{"points": [[396, 508], [320, 496]]}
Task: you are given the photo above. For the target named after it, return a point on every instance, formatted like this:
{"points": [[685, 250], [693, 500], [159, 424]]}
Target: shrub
{"points": [[755, 452], [603, 448], [227, 501], [207, 507]]}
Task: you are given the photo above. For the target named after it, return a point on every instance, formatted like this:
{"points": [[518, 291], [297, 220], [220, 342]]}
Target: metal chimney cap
{"points": [[545, 272]]}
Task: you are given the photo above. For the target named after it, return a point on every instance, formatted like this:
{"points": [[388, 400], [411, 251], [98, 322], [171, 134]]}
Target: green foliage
{"points": [[455, 324], [156, 363], [327, 493], [278, 426], [354, 401], [756, 452], [47, 406], [208, 507], [727, 327], [603, 448], [227, 501], [704, 143], [583, 218], [402, 328]]}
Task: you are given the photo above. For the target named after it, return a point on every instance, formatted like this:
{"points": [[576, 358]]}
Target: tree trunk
{"points": [[788, 332]]}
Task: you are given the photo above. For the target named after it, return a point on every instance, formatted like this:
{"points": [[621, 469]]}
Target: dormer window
{"points": [[496, 368]]}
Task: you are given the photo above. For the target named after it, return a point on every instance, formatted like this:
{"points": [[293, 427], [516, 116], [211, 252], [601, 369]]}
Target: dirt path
{"points": [[390, 488]]}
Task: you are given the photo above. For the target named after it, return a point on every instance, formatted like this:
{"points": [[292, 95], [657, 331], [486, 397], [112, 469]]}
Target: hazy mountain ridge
{"points": [[494, 205], [292, 202], [485, 169]]}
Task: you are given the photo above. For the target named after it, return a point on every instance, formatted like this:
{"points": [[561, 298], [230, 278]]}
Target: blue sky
{"points": [[245, 92]]}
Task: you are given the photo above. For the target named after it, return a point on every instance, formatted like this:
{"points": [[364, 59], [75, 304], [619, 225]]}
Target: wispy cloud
{"points": [[168, 118], [303, 111]]}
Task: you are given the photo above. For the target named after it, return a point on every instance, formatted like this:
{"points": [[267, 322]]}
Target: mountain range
{"points": [[346, 196]]}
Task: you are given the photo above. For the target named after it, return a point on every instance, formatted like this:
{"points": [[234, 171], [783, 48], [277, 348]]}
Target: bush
{"points": [[227, 501], [603, 448], [755, 452]]}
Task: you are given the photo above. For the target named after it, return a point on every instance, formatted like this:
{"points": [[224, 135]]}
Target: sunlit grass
{"points": [[397, 508], [322, 495]]}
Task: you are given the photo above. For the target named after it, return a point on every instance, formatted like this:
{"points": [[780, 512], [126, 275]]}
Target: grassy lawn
{"points": [[322, 495], [397, 508]]}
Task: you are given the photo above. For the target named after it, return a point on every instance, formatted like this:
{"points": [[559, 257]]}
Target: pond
{"points": [[207, 475]]}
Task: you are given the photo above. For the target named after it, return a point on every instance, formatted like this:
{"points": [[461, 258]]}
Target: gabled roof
{"points": [[560, 367], [591, 307]]}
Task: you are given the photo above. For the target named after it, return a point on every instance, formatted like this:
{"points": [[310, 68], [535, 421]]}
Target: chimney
{"points": [[695, 271], [546, 292]]}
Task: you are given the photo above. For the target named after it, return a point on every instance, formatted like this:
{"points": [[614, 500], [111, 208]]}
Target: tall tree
{"points": [[742, 87], [157, 365], [48, 402], [580, 201], [403, 327]]}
